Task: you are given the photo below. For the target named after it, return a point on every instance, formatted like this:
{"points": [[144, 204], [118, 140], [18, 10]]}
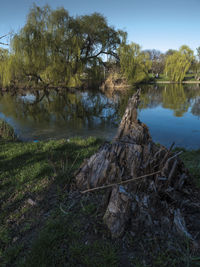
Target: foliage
{"points": [[135, 64], [179, 63], [6, 67], [56, 48]]}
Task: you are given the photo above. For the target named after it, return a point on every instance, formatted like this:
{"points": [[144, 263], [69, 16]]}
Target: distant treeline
{"points": [[56, 49]]}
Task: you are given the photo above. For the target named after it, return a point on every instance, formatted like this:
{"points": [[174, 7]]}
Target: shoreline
{"points": [[184, 82], [102, 88]]}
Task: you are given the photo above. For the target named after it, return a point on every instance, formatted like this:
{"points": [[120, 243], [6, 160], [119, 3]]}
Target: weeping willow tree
{"points": [[54, 48], [134, 63], [63, 65], [8, 68], [179, 63], [30, 47], [3, 61]]}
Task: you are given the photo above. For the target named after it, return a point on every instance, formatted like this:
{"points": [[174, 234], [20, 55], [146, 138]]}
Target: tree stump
{"points": [[155, 202]]}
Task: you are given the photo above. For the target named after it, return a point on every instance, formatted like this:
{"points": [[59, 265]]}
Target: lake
{"points": [[171, 111]]}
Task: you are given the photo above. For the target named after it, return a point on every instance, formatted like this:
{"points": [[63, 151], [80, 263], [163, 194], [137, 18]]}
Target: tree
{"points": [[134, 63], [179, 63], [56, 48], [196, 65], [30, 46], [157, 59], [198, 53], [170, 52], [3, 59]]}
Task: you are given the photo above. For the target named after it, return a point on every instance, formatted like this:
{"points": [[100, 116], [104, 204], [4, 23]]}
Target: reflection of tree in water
{"points": [[174, 97], [196, 107], [151, 96], [61, 107], [178, 98], [90, 109]]}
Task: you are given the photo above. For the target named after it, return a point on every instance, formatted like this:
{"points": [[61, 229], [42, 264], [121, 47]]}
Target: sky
{"points": [[153, 24]]}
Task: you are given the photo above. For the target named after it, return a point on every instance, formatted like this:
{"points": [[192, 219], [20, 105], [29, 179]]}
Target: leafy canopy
{"points": [[135, 64], [55, 48], [178, 63]]}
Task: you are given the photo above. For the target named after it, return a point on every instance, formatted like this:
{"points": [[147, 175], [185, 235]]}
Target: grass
{"points": [[58, 228], [163, 78], [190, 77], [191, 158]]}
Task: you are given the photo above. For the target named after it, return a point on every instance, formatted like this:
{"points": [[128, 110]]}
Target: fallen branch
{"points": [[123, 182]]}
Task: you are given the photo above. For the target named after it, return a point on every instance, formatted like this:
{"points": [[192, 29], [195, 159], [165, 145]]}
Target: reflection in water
{"points": [[175, 98], [53, 115], [171, 111], [196, 107]]}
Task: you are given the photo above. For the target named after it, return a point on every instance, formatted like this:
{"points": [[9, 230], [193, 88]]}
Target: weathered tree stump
{"points": [[156, 202]]}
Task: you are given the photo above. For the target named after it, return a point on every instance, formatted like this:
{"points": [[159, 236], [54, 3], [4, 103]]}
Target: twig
{"points": [[4, 35], [167, 154], [3, 43], [177, 154], [123, 182]]}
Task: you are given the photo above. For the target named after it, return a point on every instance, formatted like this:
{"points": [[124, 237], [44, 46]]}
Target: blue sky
{"points": [[159, 24]]}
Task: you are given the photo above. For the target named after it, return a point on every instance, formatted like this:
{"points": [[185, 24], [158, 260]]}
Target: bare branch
{"points": [[1, 37], [4, 35], [3, 43]]}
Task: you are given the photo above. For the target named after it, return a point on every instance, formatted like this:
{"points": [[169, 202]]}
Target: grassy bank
{"points": [[43, 222], [189, 78]]}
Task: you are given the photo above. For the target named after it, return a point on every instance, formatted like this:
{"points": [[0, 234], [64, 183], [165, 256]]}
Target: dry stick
{"points": [[123, 182], [167, 154], [176, 154]]}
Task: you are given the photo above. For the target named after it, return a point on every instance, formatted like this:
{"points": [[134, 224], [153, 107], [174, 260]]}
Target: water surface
{"points": [[172, 113]]}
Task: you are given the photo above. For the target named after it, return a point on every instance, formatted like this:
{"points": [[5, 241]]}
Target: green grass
{"points": [[190, 77], [41, 172], [62, 229], [192, 162], [164, 78]]}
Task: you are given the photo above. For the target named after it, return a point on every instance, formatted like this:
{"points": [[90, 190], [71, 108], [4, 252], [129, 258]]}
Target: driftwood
{"points": [[158, 201]]}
